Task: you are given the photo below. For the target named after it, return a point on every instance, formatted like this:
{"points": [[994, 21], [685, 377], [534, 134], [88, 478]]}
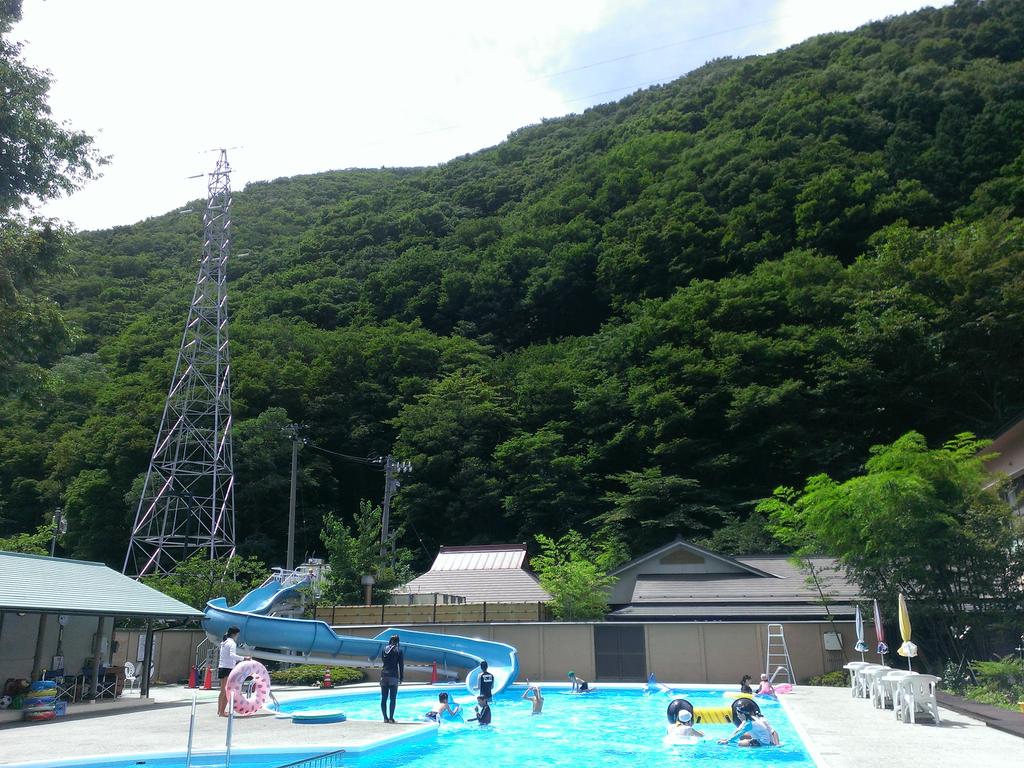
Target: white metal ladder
{"points": [[778, 655]]}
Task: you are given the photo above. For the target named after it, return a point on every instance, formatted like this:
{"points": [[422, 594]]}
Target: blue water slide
{"points": [[273, 636], [263, 599]]}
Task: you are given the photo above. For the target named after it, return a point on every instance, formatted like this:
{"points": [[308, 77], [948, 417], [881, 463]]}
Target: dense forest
{"points": [[648, 315]]}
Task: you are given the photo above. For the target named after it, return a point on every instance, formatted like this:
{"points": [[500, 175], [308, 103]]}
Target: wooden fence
{"points": [[433, 614]]}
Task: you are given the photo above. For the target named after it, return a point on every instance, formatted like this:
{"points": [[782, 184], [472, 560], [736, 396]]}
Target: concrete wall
{"points": [[682, 652], [19, 632]]}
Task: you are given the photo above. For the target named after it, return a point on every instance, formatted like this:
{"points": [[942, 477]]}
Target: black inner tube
{"points": [[744, 705], [675, 707]]}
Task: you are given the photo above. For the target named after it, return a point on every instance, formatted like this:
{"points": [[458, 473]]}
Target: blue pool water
{"points": [[617, 726], [611, 726]]}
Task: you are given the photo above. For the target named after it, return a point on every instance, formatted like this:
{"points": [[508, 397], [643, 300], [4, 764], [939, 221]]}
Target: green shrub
{"points": [[1004, 674], [313, 674], [834, 679], [1000, 683], [996, 698]]}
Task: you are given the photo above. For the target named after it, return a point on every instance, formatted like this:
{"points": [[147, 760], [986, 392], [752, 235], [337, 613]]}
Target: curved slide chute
{"points": [[314, 642]]}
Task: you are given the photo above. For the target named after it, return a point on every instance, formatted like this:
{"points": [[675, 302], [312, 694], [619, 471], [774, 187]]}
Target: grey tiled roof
{"points": [[37, 584], [785, 584], [502, 585], [732, 612]]}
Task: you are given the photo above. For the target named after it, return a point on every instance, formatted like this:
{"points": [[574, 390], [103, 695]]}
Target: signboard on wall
{"points": [[140, 653]]}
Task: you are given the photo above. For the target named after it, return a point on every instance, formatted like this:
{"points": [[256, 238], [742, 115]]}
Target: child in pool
{"points": [[442, 708], [766, 688], [683, 728], [745, 685], [533, 694], [754, 731], [579, 685], [483, 711]]}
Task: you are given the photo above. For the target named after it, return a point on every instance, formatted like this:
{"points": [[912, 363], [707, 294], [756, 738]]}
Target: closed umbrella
{"points": [[880, 633], [861, 646], [908, 649]]}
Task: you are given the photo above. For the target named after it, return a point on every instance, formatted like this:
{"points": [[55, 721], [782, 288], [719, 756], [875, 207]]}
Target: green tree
{"points": [[354, 552], [37, 543], [929, 523], [654, 505], [574, 570], [42, 160], [198, 579]]}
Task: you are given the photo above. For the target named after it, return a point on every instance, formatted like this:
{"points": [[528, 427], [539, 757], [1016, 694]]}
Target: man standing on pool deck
{"points": [[391, 675], [486, 682], [229, 658]]}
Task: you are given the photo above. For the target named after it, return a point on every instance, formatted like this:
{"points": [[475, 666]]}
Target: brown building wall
{"points": [[677, 652]]}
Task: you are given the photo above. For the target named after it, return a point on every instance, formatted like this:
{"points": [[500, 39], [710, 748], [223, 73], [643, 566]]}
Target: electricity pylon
{"points": [[188, 502]]}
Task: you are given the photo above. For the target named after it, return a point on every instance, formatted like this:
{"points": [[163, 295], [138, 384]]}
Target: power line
{"points": [[359, 459]]}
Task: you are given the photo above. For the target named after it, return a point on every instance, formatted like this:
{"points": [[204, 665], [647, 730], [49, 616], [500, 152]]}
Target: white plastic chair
{"points": [[917, 694], [862, 680], [885, 689], [873, 682], [853, 666], [130, 678]]}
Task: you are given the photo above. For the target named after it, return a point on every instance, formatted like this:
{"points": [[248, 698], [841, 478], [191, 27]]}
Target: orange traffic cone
{"points": [[433, 672], [208, 680], [192, 677], [327, 679]]}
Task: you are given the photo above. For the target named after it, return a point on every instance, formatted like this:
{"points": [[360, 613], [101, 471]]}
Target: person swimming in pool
{"points": [[533, 694], [485, 681], [483, 711], [766, 688], [579, 685], [683, 728], [444, 709], [754, 731], [745, 685]]}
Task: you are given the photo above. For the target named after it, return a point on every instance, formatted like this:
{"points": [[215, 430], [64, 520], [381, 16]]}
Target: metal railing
{"points": [[326, 760]]}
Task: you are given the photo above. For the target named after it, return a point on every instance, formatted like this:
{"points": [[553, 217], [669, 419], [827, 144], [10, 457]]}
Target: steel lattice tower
{"points": [[188, 503]]}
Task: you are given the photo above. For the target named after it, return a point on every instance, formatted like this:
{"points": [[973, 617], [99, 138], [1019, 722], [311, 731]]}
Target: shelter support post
{"points": [[97, 645], [147, 660], [37, 657]]}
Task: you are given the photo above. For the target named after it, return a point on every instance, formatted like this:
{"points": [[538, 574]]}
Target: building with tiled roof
{"points": [[684, 582], [492, 573]]}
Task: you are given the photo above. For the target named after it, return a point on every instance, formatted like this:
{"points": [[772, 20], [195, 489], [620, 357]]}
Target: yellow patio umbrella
{"points": [[908, 649]]}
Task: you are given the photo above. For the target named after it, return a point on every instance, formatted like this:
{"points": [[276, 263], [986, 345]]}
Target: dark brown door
{"points": [[619, 651]]}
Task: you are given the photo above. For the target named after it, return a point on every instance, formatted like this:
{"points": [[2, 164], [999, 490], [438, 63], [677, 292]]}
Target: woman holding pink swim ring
{"points": [[229, 658]]}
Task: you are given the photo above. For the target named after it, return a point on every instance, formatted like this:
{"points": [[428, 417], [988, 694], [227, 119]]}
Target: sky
{"points": [[317, 85]]}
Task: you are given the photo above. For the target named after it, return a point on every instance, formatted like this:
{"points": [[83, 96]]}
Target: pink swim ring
{"points": [[248, 705]]}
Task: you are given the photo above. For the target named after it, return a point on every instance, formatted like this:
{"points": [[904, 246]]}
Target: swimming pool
{"points": [[612, 725]]}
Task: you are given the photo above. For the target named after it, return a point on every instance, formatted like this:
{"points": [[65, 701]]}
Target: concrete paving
{"points": [[93, 730], [844, 732], [839, 731]]}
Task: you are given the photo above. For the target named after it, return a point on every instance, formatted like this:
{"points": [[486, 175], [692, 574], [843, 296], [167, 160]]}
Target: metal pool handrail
{"points": [[325, 760]]}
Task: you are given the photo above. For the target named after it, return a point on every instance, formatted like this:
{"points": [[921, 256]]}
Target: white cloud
{"points": [[310, 86]]}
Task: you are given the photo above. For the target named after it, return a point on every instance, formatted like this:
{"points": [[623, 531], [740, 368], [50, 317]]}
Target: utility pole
{"points": [[293, 431], [391, 484], [60, 527]]}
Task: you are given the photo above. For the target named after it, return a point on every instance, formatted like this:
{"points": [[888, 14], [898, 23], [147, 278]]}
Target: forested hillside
{"points": [[650, 314]]}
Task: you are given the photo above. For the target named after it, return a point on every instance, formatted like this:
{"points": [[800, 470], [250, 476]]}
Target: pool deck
{"points": [[100, 730], [843, 732], [839, 731]]}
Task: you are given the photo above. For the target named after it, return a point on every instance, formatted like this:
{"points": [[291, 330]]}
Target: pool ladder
{"points": [[778, 655]]}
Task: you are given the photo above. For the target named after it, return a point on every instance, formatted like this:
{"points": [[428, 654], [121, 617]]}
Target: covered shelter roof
{"points": [[39, 584]]}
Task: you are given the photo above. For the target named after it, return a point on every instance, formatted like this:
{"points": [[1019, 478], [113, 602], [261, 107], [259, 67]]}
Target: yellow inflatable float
{"points": [[713, 715]]}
